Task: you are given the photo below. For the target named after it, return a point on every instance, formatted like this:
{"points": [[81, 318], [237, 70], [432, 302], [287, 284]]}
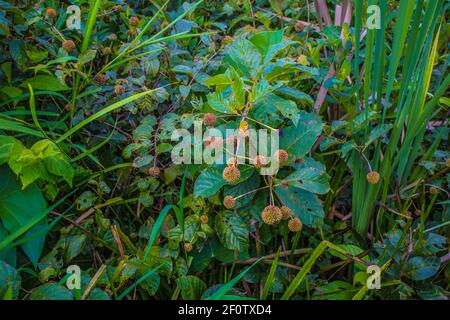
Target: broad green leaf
{"points": [[45, 82], [208, 183], [309, 176], [18, 207], [421, 268], [191, 287], [232, 231], [300, 138], [9, 281], [8, 255], [287, 108], [218, 80], [244, 57], [304, 205], [50, 291]]}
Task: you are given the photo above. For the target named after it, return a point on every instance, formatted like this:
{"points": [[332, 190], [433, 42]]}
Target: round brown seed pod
{"points": [[131, 32], [281, 155], [229, 202], [188, 247], [209, 119], [50, 12], [101, 79], [204, 218], [231, 174], [373, 177], [287, 212], [260, 161], [106, 51], [299, 26], [271, 215], [134, 21], [295, 225], [163, 25], [434, 190], [154, 171], [227, 40], [68, 45], [119, 89]]}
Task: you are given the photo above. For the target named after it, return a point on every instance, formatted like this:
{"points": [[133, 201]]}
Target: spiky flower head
{"points": [[163, 25], [188, 247], [119, 89], [229, 202], [134, 21], [68, 45], [50, 12], [101, 79], [227, 39], [209, 119], [231, 174], [271, 215], [154, 171], [106, 51], [204, 218], [213, 142], [295, 225], [287, 212], [299, 26], [373, 177], [260, 161], [281, 155]]}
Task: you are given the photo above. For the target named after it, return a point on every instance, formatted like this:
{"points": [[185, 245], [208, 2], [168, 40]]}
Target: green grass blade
{"points": [[219, 294], [103, 112], [155, 229], [94, 5]]}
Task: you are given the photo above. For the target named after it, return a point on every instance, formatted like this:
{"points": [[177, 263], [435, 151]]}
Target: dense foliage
{"points": [[87, 177]]}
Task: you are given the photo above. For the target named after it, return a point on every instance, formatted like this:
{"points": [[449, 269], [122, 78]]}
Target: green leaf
{"points": [[421, 268], [244, 57], [208, 183], [304, 205], [18, 53], [8, 255], [309, 176], [223, 290], [287, 108], [45, 82], [9, 281], [300, 138], [191, 287], [51, 291], [18, 208], [218, 80], [232, 231]]}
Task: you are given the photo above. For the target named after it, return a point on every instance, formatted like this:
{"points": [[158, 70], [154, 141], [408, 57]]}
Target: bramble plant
{"points": [[224, 150]]}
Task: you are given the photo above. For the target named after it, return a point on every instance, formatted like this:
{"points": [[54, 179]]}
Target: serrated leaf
{"points": [[309, 176], [50, 291], [191, 287], [232, 231], [208, 183], [299, 139], [304, 205]]}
